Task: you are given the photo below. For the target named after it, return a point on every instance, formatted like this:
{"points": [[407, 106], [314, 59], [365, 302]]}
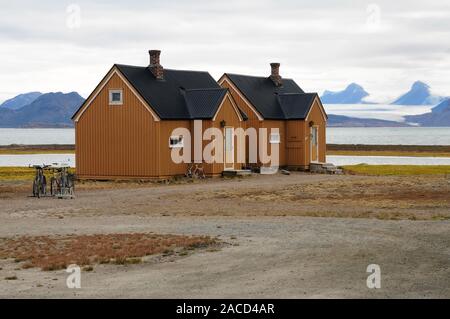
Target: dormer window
{"points": [[116, 97]]}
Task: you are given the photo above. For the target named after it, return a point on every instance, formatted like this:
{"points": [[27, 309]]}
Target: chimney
{"points": [[156, 68], [275, 74]]}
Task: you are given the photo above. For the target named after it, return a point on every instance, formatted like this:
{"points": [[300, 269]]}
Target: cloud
{"points": [[325, 44]]}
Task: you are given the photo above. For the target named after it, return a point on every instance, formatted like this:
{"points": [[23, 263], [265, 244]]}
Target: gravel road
{"points": [[272, 254]]}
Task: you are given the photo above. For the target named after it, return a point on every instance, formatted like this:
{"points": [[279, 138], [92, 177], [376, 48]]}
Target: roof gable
{"points": [[284, 102], [113, 71], [203, 103], [296, 105]]}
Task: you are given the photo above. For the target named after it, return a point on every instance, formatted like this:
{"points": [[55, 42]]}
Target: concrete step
{"points": [[237, 172], [325, 168]]}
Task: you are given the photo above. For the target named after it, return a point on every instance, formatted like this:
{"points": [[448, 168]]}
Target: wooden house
{"points": [[125, 128]]}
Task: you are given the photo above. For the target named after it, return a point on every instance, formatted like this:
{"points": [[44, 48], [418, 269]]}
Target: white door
{"points": [[229, 148], [314, 142]]}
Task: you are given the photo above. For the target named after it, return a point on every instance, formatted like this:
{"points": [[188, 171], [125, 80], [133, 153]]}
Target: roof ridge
{"points": [[207, 89], [256, 76], [179, 70], [294, 93], [165, 69]]}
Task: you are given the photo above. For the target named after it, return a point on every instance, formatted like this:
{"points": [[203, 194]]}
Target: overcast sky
{"points": [[322, 44]]}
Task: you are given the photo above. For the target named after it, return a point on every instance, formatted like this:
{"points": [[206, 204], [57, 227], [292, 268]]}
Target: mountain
{"points": [[48, 110], [353, 94], [444, 105], [346, 121], [419, 94], [20, 100], [439, 116]]}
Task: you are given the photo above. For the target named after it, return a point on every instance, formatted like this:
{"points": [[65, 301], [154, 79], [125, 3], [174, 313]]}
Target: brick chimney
{"points": [[275, 74], [156, 68]]}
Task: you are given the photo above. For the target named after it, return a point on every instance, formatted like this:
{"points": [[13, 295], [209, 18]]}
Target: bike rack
{"points": [[62, 183]]}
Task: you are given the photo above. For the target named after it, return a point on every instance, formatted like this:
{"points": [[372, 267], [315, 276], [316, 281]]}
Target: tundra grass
{"points": [[20, 173], [57, 252], [385, 170]]}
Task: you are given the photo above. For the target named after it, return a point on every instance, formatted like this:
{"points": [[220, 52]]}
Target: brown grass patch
{"points": [[57, 252]]}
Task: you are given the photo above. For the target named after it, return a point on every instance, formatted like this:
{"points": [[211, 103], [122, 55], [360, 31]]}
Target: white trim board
{"points": [[322, 110], [228, 96]]}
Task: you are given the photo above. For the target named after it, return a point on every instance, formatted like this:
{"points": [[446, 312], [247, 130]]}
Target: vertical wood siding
{"points": [[316, 116], [228, 114], [294, 134], [167, 166], [295, 143], [117, 141], [281, 126]]}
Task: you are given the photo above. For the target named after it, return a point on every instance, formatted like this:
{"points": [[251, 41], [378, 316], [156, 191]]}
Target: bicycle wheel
{"points": [[35, 190], [53, 186]]}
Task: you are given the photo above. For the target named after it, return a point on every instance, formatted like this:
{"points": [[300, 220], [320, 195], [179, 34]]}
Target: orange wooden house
{"points": [[274, 102], [125, 128]]}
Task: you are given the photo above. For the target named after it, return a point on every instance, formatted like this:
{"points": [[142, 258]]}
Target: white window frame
{"points": [[180, 143], [114, 91], [275, 138]]}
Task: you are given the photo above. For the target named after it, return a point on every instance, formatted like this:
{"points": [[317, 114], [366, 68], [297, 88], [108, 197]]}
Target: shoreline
{"points": [[389, 150], [17, 149], [332, 149]]}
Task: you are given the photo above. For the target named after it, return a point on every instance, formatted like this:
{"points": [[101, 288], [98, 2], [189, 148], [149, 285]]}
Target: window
{"points": [[314, 136], [115, 97], [275, 138], [176, 141]]}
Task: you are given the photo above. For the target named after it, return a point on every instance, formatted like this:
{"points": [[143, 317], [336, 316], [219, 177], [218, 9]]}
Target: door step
{"points": [[324, 168], [237, 172]]}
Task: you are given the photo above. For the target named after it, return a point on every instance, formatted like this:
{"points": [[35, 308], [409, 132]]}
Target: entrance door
{"points": [[229, 148], [314, 144]]}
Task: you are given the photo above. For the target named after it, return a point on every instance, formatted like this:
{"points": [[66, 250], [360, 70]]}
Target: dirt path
{"points": [[291, 257], [300, 194], [270, 250]]}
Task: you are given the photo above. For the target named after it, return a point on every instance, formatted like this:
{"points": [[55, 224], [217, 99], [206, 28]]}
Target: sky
{"points": [[384, 46]]}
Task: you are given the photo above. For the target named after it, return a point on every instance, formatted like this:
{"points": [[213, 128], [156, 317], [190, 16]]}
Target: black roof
{"points": [[285, 102], [296, 105], [180, 95], [203, 103]]}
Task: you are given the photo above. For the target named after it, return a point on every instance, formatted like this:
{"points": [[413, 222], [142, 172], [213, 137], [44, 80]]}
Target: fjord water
{"points": [[39, 159], [389, 135], [36, 136], [36, 159], [335, 135], [365, 135]]}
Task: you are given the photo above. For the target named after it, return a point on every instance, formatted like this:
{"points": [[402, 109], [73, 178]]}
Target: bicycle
{"points": [[199, 172], [62, 183], [40, 181], [195, 171], [189, 172]]}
